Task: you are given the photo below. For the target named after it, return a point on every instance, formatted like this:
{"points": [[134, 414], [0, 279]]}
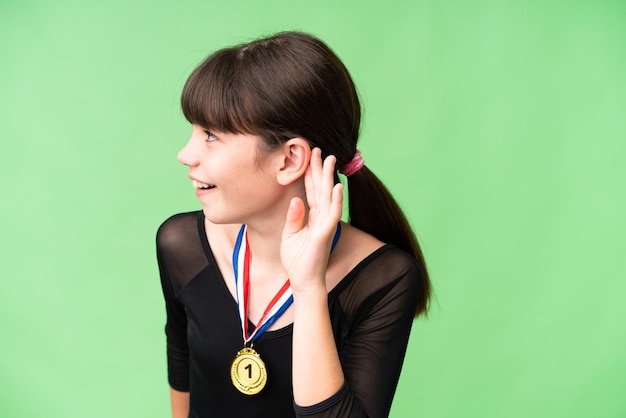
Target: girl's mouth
{"points": [[199, 185]]}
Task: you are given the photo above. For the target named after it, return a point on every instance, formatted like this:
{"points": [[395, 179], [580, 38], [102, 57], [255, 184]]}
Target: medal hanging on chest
{"points": [[247, 371]]}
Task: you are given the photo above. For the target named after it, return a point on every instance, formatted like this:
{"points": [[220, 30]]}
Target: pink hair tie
{"points": [[354, 165]]}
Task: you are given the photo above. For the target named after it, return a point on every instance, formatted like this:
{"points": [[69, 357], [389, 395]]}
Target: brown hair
{"points": [[292, 85]]}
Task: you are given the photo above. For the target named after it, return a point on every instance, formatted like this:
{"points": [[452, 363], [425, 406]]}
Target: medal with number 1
{"points": [[247, 371]]}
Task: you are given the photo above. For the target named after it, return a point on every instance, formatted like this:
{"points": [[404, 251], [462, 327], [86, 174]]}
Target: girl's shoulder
{"points": [[360, 254], [177, 229], [386, 277], [186, 235], [182, 248], [385, 283]]}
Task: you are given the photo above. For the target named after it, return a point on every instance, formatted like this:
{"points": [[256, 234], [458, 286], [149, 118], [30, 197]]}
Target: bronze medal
{"points": [[248, 372]]}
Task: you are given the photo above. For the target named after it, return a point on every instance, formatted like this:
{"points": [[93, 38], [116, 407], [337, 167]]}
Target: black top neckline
{"points": [[345, 281]]}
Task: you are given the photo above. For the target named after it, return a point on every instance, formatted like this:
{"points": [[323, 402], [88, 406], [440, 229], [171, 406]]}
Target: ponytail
{"points": [[373, 209]]}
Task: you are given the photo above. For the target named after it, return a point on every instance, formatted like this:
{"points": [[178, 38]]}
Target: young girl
{"points": [[276, 308]]}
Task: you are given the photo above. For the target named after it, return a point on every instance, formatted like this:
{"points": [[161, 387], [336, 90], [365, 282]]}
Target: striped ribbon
{"points": [[279, 303]]}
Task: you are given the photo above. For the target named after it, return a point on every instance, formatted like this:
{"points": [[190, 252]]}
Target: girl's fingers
{"points": [[323, 196], [336, 205], [309, 188], [327, 182], [295, 217], [316, 170], [312, 178]]}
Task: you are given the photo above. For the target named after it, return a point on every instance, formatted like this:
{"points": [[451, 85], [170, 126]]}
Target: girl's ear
{"points": [[295, 157]]}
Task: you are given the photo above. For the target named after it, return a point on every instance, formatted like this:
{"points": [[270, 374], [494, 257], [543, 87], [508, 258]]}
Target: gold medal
{"points": [[248, 372]]}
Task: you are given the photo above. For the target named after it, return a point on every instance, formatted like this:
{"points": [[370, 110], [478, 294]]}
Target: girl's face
{"points": [[231, 183]]}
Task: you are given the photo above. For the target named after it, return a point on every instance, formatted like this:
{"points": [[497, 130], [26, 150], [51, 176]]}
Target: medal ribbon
{"points": [[279, 303]]}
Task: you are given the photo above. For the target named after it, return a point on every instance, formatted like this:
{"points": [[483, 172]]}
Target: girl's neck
{"points": [[265, 243], [265, 234]]}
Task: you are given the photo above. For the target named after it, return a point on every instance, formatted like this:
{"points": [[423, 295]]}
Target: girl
{"points": [[276, 308]]}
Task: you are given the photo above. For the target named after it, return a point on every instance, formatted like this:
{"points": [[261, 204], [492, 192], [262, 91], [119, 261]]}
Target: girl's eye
{"points": [[210, 136]]}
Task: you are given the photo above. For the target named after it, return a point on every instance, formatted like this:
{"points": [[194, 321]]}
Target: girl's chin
{"points": [[218, 219]]}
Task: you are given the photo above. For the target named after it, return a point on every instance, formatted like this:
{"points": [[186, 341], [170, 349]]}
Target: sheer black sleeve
{"points": [[372, 318], [180, 258]]}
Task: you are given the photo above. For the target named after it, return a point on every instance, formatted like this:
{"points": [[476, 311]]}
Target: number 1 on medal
{"points": [[251, 378]]}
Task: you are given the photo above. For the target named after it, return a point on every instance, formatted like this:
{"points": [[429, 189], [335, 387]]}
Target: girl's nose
{"points": [[187, 156]]}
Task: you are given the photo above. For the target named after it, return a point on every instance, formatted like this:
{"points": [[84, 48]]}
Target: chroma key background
{"points": [[499, 125]]}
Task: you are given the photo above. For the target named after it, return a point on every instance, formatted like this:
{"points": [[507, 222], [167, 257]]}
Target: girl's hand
{"points": [[306, 243]]}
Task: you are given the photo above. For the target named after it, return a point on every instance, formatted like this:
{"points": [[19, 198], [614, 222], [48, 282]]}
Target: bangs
{"points": [[215, 98], [276, 88]]}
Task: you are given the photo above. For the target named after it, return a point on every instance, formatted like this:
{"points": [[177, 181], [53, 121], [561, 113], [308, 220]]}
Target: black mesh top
{"points": [[371, 310]]}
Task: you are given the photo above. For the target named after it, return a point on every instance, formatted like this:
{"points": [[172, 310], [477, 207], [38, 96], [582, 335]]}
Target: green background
{"points": [[499, 126]]}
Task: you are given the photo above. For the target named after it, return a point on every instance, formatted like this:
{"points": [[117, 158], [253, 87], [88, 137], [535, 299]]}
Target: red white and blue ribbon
{"points": [[279, 303]]}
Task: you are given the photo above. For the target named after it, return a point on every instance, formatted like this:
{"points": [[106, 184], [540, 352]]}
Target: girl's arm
{"points": [[169, 245], [180, 403], [317, 372], [363, 381], [373, 330]]}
